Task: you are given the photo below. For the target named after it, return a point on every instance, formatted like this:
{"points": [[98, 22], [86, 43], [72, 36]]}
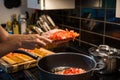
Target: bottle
{"points": [[9, 27], [22, 23], [15, 25]]}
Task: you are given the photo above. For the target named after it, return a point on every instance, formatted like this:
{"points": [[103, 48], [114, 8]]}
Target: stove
{"points": [[33, 73]]}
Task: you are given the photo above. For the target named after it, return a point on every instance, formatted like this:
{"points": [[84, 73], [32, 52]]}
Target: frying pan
{"points": [[64, 59], [12, 3], [16, 3], [8, 4]]}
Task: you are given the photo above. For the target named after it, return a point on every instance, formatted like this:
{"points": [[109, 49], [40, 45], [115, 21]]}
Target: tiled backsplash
{"points": [[96, 23]]}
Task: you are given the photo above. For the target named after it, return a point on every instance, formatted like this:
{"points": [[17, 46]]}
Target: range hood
{"points": [[51, 4]]}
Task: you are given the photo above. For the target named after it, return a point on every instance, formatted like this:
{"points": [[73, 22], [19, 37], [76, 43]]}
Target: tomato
{"points": [[65, 34], [71, 71]]}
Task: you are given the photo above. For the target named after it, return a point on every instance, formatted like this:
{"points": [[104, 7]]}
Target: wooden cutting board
{"points": [[14, 62]]}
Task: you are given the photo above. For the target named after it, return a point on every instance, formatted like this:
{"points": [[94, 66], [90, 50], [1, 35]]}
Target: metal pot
{"points": [[64, 59], [108, 55]]}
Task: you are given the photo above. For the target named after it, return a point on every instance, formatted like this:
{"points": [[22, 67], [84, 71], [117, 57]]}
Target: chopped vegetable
{"points": [[63, 34], [71, 71]]}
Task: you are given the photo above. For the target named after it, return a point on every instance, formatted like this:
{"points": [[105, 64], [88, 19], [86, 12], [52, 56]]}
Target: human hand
{"points": [[29, 41], [56, 42], [47, 34]]}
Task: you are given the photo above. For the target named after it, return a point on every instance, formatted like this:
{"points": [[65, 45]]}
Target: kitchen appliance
{"points": [[109, 56], [51, 4], [64, 59]]}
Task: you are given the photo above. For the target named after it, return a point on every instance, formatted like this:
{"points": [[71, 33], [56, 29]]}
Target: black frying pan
{"points": [[8, 4], [12, 3], [17, 3], [63, 59]]}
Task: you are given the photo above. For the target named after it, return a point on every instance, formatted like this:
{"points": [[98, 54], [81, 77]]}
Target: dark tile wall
{"points": [[95, 21]]}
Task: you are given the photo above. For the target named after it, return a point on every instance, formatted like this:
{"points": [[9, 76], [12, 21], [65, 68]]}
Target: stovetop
{"points": [[33, 73]]}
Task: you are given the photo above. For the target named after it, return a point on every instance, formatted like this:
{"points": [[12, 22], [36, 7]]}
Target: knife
{"points": [[42, 24], [47, 26], [51, 21], [46, 20]]}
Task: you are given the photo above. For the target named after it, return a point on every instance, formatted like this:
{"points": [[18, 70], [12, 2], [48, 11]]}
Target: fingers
{"points": [[41, 39], [45, 39], [29, 41], [47, 34], [31, 44], [40, 43], [35, 41]]}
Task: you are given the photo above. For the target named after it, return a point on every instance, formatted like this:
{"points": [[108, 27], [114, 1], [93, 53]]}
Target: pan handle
{"points": [[27, 53], [100, 65]]}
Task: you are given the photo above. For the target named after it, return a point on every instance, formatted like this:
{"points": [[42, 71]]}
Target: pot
{"points": [[108, 55], [64, 59]]}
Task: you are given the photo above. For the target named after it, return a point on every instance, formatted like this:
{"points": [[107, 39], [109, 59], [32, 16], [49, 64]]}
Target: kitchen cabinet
{"points": [[117, 8], [51, 4]]}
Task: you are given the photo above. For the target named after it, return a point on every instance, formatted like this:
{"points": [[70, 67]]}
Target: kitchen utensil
{"points": [[8, 4], [46, 20], [41, 22], [64, 59], [108, 55], [53, 25], [47, 26], [16, 3], [12, 3], [38, 30]]}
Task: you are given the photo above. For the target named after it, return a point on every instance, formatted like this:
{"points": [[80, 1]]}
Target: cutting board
{"points": [[14, 62]]}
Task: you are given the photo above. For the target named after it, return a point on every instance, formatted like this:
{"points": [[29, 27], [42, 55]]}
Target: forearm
{"points": [[7, 47], [3, 34]]}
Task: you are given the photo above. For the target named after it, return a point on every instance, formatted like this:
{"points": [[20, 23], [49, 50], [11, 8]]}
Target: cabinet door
{"points": [[51, 4], [118, 8], [91, 3], [59, 4]]}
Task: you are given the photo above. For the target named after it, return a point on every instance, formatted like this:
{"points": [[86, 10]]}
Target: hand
{"points": [[47, 34], [56, 42], [29, 41]]}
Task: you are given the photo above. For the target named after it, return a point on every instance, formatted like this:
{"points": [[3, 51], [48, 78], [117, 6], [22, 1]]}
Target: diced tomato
{"points": [[65, 34], [71, 71]]}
